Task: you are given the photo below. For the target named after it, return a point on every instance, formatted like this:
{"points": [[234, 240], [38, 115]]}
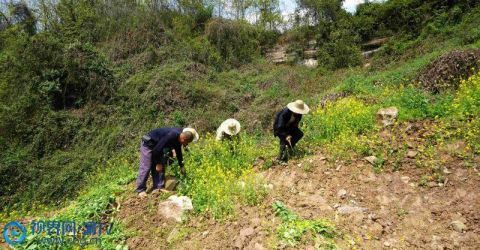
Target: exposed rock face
{"points": [[387, 116], [311, 63]]}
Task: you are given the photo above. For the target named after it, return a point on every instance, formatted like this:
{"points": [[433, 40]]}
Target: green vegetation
{"points": [[220, 175], [293, 228]]}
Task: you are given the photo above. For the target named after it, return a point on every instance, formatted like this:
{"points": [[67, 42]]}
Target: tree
{"points": [[269, 13]]}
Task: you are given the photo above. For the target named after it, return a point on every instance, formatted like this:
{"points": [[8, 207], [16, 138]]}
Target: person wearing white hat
{"points": [[286, 127], [228, 129], [155, 150]]}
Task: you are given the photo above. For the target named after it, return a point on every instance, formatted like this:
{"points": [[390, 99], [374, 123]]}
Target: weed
{"points": [[293, 228]]}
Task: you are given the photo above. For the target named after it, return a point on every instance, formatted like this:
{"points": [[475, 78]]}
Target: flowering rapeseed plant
{"points": [[220, 174]]}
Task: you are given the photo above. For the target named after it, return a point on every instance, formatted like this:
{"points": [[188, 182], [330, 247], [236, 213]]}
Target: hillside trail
{"points": [[371, 210]]}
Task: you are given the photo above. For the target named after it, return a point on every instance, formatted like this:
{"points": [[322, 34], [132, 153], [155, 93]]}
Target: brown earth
{"points": [[446, 71], [371, 210]]}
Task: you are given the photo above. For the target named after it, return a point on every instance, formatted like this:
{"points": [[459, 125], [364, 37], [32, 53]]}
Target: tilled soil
{"points": [[370, 210]]}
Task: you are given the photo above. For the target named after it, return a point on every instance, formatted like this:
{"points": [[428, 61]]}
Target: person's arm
{"points": [[178, 152]]}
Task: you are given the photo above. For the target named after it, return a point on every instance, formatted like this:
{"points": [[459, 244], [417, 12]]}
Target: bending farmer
{"points": [[155, 149], [228, 129], [286, 128]]}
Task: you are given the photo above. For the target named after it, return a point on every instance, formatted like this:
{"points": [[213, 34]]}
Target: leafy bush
{"points": [[236, 41], [340, 50]]}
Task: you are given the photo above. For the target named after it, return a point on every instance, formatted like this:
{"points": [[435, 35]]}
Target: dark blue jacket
{"points": [[282, 124], [166, 138]]}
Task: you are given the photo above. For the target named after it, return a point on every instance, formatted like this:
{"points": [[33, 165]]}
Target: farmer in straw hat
{"points": [[286, 128], [228, 129], [155, 150]]}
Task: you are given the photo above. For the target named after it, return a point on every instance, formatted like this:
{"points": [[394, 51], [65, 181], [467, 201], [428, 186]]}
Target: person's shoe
{"points": [[142, 194]]}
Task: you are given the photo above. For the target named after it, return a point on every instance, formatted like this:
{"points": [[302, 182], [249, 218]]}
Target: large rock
{"points": [[387, 116], [174, 207]]}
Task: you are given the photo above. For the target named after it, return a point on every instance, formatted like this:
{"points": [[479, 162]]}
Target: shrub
{"points": [[340, 52], [236, 41]]}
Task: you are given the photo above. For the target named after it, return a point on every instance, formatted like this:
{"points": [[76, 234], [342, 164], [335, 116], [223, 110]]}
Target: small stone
{"points": [[412, 153], [376, 229], [346, 209], [342, 193], [458, 226], [405, 179], [268, 186], [246, 232], [173, 234], [258, 246], [371, 159], [446, 171]]}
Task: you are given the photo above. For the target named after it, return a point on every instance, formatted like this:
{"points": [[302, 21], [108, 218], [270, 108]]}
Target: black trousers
{"points": [[296, 134]]}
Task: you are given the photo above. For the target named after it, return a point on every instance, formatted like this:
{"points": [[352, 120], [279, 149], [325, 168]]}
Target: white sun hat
{"points": [[298, 107], [230, 126], [194, 132]]}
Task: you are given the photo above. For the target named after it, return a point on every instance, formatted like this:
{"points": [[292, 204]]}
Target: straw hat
{"points": [[194, 132], [298, 107], [230, 126]]}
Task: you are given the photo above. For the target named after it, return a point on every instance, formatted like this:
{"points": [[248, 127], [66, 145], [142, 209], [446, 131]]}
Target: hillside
{"points": [[80, 83]]}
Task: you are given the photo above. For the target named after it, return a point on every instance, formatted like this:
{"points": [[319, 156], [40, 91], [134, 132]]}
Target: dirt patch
{"points": [[331, 98], [446, 71]]}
